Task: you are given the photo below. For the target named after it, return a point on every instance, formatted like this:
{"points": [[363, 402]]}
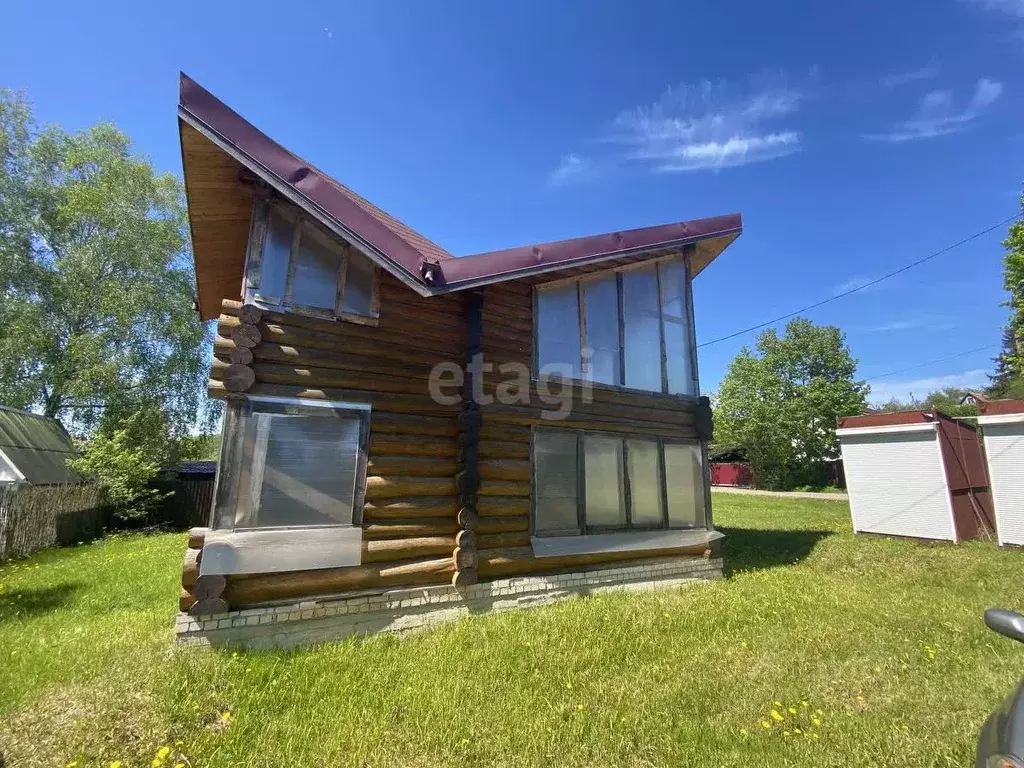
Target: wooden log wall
{"points": [[411, 520], [503, 538], [448, 486]]}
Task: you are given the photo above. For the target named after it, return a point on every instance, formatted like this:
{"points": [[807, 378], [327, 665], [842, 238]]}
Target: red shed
{"points": [[916, 473]]}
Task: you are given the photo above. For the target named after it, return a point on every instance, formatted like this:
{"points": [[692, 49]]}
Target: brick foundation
{"points": [[404, 610]]}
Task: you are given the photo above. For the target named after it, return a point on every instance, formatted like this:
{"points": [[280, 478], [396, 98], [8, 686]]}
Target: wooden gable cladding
{"points": [[220, 209]]}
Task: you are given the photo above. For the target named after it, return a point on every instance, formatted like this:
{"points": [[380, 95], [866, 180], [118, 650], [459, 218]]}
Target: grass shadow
{"points": [[27, 603], [748, 549]]}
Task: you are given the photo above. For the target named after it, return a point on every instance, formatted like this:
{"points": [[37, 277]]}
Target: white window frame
{"points": [[300, 220], [233, 549], [582, 281]]}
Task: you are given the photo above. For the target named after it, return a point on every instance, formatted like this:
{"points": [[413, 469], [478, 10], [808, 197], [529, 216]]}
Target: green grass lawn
{"points": [[877, 645]]}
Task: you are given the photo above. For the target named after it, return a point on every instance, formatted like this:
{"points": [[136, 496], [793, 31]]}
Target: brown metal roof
{"points": [[380, 235], [1000, 407]]}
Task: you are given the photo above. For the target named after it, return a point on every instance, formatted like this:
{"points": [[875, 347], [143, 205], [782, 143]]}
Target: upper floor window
{"points": [[630, 328], [293, 263]]}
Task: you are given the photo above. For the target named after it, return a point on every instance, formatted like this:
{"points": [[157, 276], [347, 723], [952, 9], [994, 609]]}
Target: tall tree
{"points": [[96, 319], [1008, 380], [781, 401]]}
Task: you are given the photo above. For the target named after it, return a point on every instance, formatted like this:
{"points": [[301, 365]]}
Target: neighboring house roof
{"points": [[37, 447], [217, 143], [195, 468]]}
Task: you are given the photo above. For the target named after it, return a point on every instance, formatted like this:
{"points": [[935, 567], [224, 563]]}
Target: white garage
{"points": [[1002, 425]]}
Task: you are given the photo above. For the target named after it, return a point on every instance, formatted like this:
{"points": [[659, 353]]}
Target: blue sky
{"points": [[853, 137]]}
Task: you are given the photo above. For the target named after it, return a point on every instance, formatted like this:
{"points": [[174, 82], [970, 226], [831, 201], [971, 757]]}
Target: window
{"points": [[295, 264], [290, 464], [629, 328], [588, 482]]}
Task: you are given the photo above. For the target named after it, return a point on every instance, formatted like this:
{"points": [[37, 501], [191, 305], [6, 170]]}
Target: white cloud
{"points": [[851, 285], [704, 127], [883, 391], [571, 168], [1009, 7], [927, 72], [937, 117], [931, 323]]}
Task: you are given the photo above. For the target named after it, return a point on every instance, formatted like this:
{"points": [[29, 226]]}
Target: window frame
{"points": [[252, 274], [583, 529], [231, 458], [618, 272]]}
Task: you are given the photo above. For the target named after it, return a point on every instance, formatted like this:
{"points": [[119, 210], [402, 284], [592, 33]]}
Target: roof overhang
{"points": [[217, 143]]}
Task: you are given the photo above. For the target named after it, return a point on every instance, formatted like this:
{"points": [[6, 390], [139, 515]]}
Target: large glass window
{"points": [[586, 482], [290, 464], [635, 330], [558, 331], [301, 267]]}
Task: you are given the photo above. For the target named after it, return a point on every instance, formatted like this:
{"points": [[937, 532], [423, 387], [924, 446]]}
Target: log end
{"points": [[209, 606], [465, 578]]}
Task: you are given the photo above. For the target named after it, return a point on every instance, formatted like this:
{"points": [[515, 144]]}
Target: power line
{"points": [[931, 362], [876, 281]]}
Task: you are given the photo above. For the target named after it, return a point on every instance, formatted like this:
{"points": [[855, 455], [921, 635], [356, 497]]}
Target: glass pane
{"points": [[558, 331], [600, 305], [605, 502], [358, 284], [289, 466], [554, 476], [685, 479], [644, 482], [678, 361], [315, 283], [276, 246], [643, 331]]}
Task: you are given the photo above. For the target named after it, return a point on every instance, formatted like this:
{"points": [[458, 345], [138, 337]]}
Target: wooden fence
{"points": [[189, 502], [34, 518]]}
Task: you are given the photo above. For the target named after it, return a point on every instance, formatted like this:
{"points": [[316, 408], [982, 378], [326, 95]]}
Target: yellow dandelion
{"points": [[815, 721], [777, 703], [580, 707], [765, 724], [154, 763], [776, 716], [786, 733], [163, 752], [743, 731], [792, 710], [116, 764], [804, 704], [225, 717], [860, 698], [797, 730]]}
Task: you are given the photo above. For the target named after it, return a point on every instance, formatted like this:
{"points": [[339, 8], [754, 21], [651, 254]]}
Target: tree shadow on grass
{"points": [[748, 549], [26, 603]]}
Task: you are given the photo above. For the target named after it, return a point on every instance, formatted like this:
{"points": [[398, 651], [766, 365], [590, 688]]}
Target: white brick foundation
{"points": [[407, 609]]}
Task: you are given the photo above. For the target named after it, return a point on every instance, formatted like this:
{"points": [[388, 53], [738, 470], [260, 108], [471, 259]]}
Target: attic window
{"points": [[294, 264]]}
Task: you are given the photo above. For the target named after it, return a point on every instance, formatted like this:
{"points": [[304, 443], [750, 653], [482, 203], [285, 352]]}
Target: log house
{"points": [[399, 419]]}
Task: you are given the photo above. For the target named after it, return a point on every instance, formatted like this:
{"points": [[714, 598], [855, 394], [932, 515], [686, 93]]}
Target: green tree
{"points": [[782, 400], [1008, 381], [946, 400], [96, 318]]}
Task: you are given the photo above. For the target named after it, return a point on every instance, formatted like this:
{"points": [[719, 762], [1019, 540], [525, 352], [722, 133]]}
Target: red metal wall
{"points": [[731, 473]]}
